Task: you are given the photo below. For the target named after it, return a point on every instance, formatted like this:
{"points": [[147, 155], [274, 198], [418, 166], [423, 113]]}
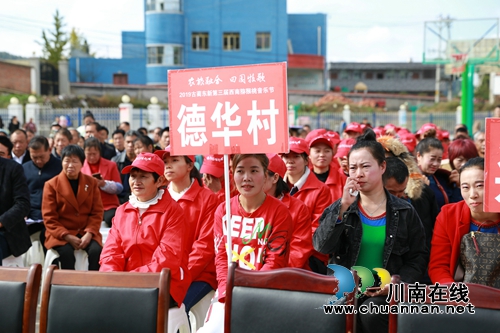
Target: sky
{"points": [[357, 30]]}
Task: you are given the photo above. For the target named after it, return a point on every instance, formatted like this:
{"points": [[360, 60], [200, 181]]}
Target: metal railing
{"points": [[141, 117]]}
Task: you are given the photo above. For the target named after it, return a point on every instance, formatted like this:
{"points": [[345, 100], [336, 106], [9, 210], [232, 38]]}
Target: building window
{"points": [[415, 75], [164, 5], [199, 40], [155, 55], [369, 75], [390, 75], [231, 41], [263, 41], [334, 75], [167, 55], [356, 75], [345, 75], [380, 76], [150, 5], [429, 74], [403, 74], [120, 78]]}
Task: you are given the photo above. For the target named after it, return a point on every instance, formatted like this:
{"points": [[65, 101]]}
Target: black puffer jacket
{"points": [[405, 250]]}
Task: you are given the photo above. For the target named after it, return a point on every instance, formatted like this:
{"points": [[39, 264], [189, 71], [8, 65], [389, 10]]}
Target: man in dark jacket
{"points": [[395, 181], [124, 159], [14, 206], [92, 130], [42, 167]]}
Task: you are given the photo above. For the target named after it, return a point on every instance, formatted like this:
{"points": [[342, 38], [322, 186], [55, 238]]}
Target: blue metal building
{"points": [[208, 33]]}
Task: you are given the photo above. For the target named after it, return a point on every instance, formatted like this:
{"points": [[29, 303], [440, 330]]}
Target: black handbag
{"points": [[480, 258]]}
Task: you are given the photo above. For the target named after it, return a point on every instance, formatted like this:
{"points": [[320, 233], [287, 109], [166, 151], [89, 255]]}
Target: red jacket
{"points": [[108, 171], [301, 246], [452, 223], [199, 205], [316, 196], [335, 182], [149, 243], [260, 242]]}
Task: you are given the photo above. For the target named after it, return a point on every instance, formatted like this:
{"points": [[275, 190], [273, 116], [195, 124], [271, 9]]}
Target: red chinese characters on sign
{"points": [[228, 110], [491, 201]]}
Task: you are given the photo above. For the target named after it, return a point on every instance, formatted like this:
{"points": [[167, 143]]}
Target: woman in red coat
{"points": [[72, 211], [457, 219], [301, 246], [107, 175], [148, 232], [308, 189], [199, 204], [322, 149]]}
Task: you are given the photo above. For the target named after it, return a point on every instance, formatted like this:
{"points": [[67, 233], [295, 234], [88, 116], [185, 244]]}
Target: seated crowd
{"points": [[371, 197]]}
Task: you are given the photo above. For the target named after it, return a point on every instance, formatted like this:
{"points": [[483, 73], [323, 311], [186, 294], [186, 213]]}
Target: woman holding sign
{"points": [[261, 230], [199, 204], [369, 227]]}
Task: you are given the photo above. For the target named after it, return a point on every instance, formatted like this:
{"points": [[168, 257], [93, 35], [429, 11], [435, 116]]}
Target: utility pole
{"points": [[438, 66]]}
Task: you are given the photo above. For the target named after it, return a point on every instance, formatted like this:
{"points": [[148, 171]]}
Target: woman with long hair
{"points": [[458, 219], [369, 227], [429, 157], [260, 234]]}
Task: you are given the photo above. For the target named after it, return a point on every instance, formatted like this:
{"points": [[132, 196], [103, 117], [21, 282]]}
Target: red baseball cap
{"points": [[298, 145], [391, 127], [426, 127], [409, 140], [162, 153], [321, 139], [441, 135], [403, 131], [276, 165], [379, 131], [333, 136], [354, 127], [314, 134], [213, 165], [344, 147], [146, 162]]}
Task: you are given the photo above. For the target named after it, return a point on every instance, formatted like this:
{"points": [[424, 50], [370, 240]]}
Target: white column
{"points": [[459, 115], [346, 114], [402, 115], [154, 110], [126, 109], [33, 111]]}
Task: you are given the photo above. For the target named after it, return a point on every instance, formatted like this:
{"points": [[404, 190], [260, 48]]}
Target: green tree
{"points": [[483, 91], [54, 42], [78, 41]]}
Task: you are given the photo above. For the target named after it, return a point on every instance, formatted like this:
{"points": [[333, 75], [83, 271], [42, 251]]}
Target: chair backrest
{"points": [[90, 301], [19, 289], [282, 300], [486, 317]]}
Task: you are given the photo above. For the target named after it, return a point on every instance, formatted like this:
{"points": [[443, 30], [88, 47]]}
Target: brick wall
{"points": [[16, 78]]}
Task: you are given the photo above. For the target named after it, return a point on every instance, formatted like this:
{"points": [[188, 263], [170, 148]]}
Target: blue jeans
{"points": [[197, 290], [4, 247]]}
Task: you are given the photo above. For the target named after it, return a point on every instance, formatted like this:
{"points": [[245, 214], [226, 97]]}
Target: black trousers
{"points": [[67, 255], [373, 323], [108, 216]]}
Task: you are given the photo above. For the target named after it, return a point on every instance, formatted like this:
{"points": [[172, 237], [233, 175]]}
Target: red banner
{"points": [[228, 110], [492, 166]]}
